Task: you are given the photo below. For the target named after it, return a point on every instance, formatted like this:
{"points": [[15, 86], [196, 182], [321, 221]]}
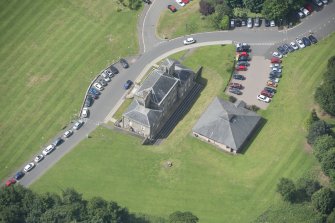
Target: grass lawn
{"points": [[186, 20], [49, 53], [215, 186]]}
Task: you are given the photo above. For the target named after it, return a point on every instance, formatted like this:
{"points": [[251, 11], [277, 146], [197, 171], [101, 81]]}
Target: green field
{"points": [[49, 53], [186, 20], [215, 186]]}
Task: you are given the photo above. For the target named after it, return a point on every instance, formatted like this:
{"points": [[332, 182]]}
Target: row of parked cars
{"points": [[93, 94], [299, 43], [309, 8], [251, 22], [242, 62]]}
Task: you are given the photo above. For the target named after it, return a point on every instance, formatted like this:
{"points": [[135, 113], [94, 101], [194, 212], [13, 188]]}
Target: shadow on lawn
{"points": [[258, 128]]}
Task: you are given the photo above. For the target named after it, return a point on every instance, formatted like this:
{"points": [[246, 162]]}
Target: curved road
{"points": [[152, 48]]}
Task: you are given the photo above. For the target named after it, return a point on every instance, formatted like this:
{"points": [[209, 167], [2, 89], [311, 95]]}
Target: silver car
{"points": [[257, 22], [249, 23]]}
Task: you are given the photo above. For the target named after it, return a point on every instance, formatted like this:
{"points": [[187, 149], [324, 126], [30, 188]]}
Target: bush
{"points": [[325, 96], [322, 145], [323, 200], [328, 162], [317, 129], [206, 8], [287, 189], [312, 117], [224, 25], [307, 187]]}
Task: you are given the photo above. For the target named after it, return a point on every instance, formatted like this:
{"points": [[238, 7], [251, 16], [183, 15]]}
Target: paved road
{"points": [[321, 23]]}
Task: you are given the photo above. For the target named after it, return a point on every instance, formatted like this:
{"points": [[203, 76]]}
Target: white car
{"points": [[241, 44], [29, 167], [179, 2], [98, 86], [48, 150], [305, 11], [276, 69], [39, 158], [263, 98], [278, 55], [85, 112], [107, 79], [276, 65], [301, 14], [249, 23], [189, 40], [272, 23], [68, 133], [300, 43], [78, 124], [294, 45]]}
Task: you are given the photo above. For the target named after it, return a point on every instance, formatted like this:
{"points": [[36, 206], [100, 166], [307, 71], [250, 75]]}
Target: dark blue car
{"points": [[19, 175], [94, 91], [128, 84]]}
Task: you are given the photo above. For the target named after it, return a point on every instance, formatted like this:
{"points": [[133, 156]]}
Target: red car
{"points": [[236, 85], [172, 8], [309, 7], [186, 1], [275, 60], [244, 54], [241, 68], [267, 94], [10, 182]]}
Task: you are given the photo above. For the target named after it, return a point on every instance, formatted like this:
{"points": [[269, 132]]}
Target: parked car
{"points": [[272, 23], [232, 23], [107, 79], [300, 43], [85, 112], [324, 1], [270, 89], [257, 22], [88, 101], [102, 82], [98, 86], [244, 54], [238, 77], [294, 45], [185, 1], [189, 41], [10, 182], [309, 7], [312, 39], [300, 14], [172, 8], [277, 69], [243, 63], [78, 124], [235, 91], [243, 58], [263, 98], [267, 23], [306, 41], [128, 84], [113, 70], [124, 63], [288, 48], [271, 84], [19, 175], [249, 23], [267, 94], [29, 167], [48, 150], [108, 73], [236, 85], [58, 141], [278, 55], [274, 79], [318, 3], [241, 68], [238, 23], [68, 133], [275, 60], [39, 158], [282, 50], [180, 2], [305, 11], [94, 91], [274, 74], [276, 65]]}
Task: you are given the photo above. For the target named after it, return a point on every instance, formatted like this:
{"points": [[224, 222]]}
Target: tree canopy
{"points": [[323, 200], [275, 9], [322, 145], [317, 129], [287, 189], [183, 217]]}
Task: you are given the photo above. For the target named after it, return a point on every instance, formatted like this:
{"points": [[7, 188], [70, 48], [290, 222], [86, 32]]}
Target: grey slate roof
{"points": [[182, 73], [227, 123], [142, 115], [159, 84]]}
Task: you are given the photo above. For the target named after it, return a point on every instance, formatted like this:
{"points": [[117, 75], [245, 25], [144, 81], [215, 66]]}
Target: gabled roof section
{"points": [[226, 123], [183, 73], [159, 84], [142, 115]]}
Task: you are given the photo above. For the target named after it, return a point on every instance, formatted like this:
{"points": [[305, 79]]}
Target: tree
{"points": [[223, 9], [287, 189], [331, 65], [254, 5], [328, 162], [322, 145], [331, 217], [323, 200], [307, 187], [275, 9], [235, 3], [215, 20], [325, 96], [206, 8], [224, 23], [134, 4], [313, 117], [317, 129], [183, 217], [295, 4]]}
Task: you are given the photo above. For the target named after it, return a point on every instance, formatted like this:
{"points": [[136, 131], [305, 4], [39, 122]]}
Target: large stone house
{"points": [[226, 125], [157, 98]]}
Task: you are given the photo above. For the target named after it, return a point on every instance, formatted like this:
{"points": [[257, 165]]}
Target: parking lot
{"points": [[256, 77]]}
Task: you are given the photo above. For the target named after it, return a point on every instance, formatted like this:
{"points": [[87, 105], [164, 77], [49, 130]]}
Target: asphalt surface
{"points": [[262, 40]]}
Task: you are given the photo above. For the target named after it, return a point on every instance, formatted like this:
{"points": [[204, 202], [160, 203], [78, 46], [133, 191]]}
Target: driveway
{"points": [[256, 77]]}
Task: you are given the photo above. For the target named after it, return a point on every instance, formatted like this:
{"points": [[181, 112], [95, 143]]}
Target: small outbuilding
{"points": [[226, 125]]}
